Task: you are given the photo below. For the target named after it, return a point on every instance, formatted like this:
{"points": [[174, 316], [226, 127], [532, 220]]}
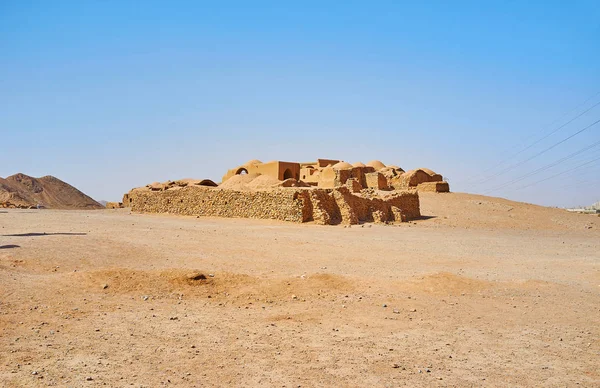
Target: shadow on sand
{"points": [[43, 234], [424, 218], [9, 246]]}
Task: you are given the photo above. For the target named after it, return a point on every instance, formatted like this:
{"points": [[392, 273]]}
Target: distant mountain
{"points": [[103, 202], [20, 190]]}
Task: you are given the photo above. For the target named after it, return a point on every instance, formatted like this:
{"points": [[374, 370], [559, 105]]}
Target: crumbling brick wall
{"points": [[322, 206], [376, 180], [437, 187]]}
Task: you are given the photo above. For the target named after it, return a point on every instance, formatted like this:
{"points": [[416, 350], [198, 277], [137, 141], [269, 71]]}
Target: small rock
{"points": [[294, 297], [35, 372], [395, 366], [145, 297], [384, 305], [211, 275], [396, 311], [104, 286], [89, 378]]}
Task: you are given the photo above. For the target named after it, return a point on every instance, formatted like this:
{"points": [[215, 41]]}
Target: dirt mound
{"points": [[20, 190], [236, 287], [472, 211], [445, 283]]}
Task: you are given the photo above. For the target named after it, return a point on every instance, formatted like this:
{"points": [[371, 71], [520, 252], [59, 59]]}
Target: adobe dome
{"points": [[342, 166], [428, 171], [359, 164], [252, 162], [376, 164]]}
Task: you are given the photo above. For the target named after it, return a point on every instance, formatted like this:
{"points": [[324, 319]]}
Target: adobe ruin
{"points": [[325, 192], [330, 173]]}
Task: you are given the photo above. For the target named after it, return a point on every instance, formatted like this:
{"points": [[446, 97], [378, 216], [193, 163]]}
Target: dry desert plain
{"points": [[480, 292]]}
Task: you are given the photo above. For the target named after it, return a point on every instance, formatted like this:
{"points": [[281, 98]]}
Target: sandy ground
{"points": [[480, 292]]}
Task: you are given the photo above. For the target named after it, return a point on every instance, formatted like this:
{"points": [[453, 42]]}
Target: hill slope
{"points": [[472, 211], [24, 191]]}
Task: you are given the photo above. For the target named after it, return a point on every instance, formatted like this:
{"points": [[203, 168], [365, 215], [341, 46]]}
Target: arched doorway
{"points": [[241, 171], [287, 174]]}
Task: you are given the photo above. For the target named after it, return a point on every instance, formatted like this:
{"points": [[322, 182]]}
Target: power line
{"points": [[548, 134], [560, 173], [544, 168], [541, 152], [583, 181]]}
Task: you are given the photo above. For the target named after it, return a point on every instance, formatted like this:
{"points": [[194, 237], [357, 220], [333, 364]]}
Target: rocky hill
{"points": [[23, 191]]}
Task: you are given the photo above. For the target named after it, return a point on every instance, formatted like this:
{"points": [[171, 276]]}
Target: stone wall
{"points": [[437, 187], [376, 180], [322, 206], [424, 179]]}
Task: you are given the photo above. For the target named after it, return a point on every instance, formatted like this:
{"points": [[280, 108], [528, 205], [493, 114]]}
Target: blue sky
{"points": [[109, 95]]}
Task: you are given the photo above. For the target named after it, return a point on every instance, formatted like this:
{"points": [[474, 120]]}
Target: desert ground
{"points": [[478, 292]]}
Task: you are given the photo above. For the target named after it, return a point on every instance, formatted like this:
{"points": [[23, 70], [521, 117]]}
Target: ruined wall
{"points": [[327, 207], [330, 177], [437, 187], [277, 204], [276, 169], [376, 180], [327, 178], [424, 179]]}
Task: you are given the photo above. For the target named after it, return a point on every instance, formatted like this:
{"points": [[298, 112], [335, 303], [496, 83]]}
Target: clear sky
{"points": [[109, 95]]}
